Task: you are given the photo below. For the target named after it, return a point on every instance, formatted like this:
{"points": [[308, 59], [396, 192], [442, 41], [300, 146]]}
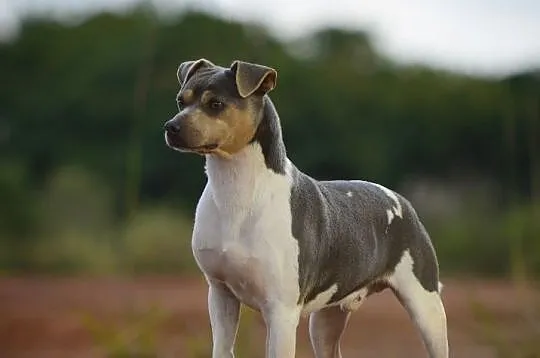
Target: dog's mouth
{"points": [[202, 149], [177, 144]]}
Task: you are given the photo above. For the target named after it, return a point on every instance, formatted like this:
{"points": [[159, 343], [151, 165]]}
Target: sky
{"points": [[478, 37]]}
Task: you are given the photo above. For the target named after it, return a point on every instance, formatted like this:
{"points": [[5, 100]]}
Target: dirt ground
{"points": [[81, 317]]}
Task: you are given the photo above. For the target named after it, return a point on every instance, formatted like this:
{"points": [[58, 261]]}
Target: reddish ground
{"points": [[53, 317]]}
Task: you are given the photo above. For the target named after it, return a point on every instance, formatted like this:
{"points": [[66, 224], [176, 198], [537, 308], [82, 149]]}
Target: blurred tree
{"points": [[96, 94]]}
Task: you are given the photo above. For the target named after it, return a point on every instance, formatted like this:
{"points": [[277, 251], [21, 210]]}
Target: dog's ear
{"points": [[252, 78], [188, 68]]}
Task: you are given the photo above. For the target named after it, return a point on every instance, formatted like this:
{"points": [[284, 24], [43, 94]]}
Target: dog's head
{"points": [[218, 108]]}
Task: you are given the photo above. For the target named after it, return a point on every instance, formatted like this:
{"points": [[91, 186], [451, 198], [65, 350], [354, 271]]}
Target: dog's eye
{"points": [[180, 102], [215, 104]]}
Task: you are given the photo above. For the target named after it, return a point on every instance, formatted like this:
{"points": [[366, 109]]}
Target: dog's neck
{"points": [[244, 176]]}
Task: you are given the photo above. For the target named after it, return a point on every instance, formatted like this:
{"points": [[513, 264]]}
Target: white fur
{"points": [[320, 301], [349, 194], [242, 238], [354, 300], [390, 215], [351, 302], [240, 192], [425, 307]]}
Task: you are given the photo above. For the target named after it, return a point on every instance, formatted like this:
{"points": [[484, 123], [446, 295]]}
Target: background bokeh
{"points": [[96, 212]]}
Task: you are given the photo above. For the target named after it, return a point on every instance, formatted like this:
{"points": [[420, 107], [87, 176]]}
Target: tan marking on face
{"points": [[241, 128], [231, 130], [188, 95], [204, 130]]}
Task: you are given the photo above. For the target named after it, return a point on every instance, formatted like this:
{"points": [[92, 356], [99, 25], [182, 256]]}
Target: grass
{"points": [[138, 336]]}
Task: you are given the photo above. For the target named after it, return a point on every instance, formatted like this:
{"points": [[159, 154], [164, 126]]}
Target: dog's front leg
{"points": [[281, 324], [224, 311]]}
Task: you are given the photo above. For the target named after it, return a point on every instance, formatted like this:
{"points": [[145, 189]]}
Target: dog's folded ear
{"points": [[188, 68], [252, 78]]}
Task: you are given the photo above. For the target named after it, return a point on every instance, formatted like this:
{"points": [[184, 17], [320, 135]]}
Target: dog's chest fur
{"points": [[242, 234]]}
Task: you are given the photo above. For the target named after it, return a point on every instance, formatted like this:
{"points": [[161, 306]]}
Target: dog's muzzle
{"points": [[175, 140], [172, 135]]}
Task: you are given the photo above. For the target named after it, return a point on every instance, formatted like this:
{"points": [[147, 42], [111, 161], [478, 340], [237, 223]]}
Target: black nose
{"points": [[172, 127]]}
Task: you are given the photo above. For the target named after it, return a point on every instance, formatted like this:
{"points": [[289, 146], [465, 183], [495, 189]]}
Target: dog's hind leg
{"points": [[425, 307], [325, 330]]}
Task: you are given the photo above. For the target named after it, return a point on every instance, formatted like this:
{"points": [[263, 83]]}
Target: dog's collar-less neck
{"points": [[243, 181]]}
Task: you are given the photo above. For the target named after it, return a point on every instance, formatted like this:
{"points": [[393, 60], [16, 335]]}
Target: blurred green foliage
{"points": [[137, 341], [140, 334], [88, 185]]}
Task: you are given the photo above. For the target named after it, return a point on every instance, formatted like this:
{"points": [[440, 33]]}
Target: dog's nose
{"points": [[172, 127]]}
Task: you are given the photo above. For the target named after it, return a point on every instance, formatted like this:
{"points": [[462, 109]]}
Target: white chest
{"points": [[242, 234]]}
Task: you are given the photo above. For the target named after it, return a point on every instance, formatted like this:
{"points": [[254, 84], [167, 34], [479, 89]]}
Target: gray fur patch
{"points": [[346, 239]]}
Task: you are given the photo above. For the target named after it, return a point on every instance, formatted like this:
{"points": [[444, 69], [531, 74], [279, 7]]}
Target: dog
{"points": [[289, 246]]}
